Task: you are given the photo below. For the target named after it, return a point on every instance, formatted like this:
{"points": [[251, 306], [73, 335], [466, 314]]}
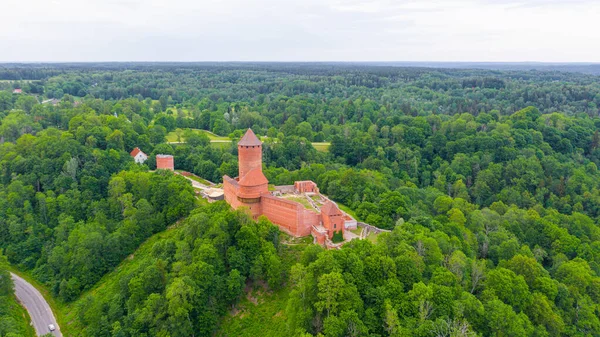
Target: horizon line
{"points": [[316, 62]]}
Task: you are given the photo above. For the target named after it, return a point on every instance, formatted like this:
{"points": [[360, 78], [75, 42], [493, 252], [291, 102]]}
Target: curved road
{"points": [[39, 310]]}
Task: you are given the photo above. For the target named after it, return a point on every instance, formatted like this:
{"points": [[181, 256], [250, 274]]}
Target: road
{"points": [[39, 310]]}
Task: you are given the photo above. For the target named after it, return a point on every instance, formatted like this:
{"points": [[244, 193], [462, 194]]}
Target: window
{"points": [[334, 226]]}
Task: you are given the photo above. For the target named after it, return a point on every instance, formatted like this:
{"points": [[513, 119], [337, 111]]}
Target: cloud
{"points": [[308, 30]]}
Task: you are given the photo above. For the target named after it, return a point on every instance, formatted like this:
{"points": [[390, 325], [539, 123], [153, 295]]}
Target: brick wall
{"points": [[230, 187], [289, 215], [333, 223], [165, 163], [306, 186], [234, 198], [309, 219], [252, 191], [282, 212]]}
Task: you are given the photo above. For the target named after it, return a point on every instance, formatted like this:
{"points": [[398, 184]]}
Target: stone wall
{"points": [[372, 228]]}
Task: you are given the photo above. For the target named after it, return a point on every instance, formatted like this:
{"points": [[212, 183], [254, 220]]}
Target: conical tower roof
{"points": [[250, 139], [254, 178]]}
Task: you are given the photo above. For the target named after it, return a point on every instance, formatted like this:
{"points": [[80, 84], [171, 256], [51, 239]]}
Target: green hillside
{"points": [[487, 181], [14, 319], [202, 265]]}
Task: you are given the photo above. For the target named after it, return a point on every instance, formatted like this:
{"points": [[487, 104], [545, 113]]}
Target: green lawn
{"points": [[221, 145], [172, 136], [175, 110], [198, 179], [223, 141], [372, 237], [357, 231], [301, 200], [315, 197], [323, 147]]}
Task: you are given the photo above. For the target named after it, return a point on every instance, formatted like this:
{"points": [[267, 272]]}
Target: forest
{"points": [[488, 181]]}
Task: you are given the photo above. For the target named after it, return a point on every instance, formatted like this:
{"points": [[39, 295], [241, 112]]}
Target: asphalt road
{"points": [[39, 310]]}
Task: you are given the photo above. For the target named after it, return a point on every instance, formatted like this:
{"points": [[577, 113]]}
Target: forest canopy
{"points": [[487, 180]]}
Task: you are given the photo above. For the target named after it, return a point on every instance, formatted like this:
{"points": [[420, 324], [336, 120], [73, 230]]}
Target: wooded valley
{"points": [[488, 181]]}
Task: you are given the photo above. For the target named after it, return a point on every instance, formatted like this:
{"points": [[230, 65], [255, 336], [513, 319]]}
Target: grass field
{"points": [[323, 147], [198, 179], [172, 136], [372, 237], [222, 141], [357, 231], [301, 200]]}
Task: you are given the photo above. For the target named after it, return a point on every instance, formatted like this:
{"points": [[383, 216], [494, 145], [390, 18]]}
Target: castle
{"points": [[299, 210]]}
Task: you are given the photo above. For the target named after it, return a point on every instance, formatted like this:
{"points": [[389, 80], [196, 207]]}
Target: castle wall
{"points": [[319, 236], [291, 216], [249, 157], [309, 220], [333, 223], [231, 189], [252, 191], [306, 186]]}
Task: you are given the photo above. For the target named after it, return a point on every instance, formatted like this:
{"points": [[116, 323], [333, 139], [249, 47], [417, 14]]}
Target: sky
{"points": [[300, 30]]}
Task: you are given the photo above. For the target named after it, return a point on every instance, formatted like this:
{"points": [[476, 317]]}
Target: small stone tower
{"points": [[249, 154]]}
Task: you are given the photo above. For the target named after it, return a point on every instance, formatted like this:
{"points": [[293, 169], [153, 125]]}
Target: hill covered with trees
{"points": [[488, 181]]}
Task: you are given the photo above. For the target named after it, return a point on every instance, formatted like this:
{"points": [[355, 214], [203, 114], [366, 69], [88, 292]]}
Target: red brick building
{"points": [[165, 162], [251, 190], [306, 186]]}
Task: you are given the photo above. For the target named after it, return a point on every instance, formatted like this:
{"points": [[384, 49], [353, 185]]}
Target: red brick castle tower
{"points": [[247, 188], [249, 153], [250, 190]]}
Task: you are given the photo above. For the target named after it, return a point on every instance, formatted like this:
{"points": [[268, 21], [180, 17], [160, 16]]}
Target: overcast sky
{"points": [[300, 30]]}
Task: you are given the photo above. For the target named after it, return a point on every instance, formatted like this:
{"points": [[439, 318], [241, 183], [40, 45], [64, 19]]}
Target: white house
{"points": [[139, 156]]}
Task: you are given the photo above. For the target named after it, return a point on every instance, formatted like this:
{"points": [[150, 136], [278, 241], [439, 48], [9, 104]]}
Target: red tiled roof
{"points": [[254, 178], [330, 208], [250, 139], [135, 152]]}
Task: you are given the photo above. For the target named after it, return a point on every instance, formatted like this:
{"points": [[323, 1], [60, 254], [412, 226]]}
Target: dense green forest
{"points": [[488, 181]]}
